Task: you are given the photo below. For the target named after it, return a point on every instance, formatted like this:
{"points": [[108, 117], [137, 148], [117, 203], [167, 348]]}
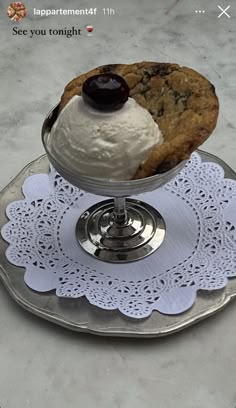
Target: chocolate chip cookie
{"points": [[181, 101]]}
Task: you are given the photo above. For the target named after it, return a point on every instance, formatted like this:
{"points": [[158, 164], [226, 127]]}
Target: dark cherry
{"points": [[105, 92]]}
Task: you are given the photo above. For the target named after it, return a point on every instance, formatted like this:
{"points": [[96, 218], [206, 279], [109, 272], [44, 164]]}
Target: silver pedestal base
{"points": [[123, 238]]}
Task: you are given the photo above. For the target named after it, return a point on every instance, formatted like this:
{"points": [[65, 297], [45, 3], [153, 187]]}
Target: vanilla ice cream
{"points": [[109, 145]]}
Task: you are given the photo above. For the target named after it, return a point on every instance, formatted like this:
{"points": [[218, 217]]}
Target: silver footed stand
{"points": [[122, 230]]}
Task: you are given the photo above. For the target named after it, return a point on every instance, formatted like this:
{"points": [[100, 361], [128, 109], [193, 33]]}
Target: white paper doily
{"points": [[199, 250]]}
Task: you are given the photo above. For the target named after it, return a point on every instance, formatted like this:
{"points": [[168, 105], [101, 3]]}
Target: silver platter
{"points": [[78, 314]]}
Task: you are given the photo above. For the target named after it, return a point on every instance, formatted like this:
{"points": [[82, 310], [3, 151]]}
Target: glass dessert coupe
{"points": [[120, 229]]}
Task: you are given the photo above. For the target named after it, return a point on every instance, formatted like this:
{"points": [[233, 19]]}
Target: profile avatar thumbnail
{"points": [[16, 11]]}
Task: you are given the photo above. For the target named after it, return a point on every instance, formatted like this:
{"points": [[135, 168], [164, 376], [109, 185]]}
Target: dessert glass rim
{"points": [[45, 134], [109, 180], [102, 186]]}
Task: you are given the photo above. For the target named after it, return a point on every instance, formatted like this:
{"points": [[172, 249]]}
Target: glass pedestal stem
{"points": [[120, 213]]}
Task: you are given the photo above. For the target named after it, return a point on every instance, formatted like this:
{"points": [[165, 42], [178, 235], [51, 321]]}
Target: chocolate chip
{"points": [[109, 68], [161, 69], [212, 87], [160, 111]]}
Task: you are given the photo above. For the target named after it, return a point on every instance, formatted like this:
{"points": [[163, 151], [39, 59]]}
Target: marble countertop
{"points": [[193, 369]]}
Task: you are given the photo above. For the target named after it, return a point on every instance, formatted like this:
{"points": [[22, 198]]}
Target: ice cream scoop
{"points": [[104, 133]]}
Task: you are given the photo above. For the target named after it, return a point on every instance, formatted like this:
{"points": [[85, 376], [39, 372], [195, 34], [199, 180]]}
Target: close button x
{"points": [[224, 11]]}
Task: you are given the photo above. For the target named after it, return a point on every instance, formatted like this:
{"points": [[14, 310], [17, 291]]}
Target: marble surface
{"points": [[193, 369]]}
